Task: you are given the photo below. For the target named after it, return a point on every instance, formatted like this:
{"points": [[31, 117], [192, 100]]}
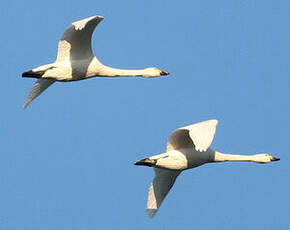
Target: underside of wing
{"points": [[38, 87], [199, 135], [75, 43], [159, 188], [179, 139]]}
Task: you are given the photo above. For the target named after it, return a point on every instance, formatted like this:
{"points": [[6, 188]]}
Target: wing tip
{"points": [[211, 122], [214, 122], [80, 24], [99, 17], [25, 104], [151, 212]]}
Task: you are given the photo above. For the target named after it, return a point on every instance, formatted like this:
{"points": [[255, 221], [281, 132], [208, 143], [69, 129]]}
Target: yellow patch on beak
{"points": [[271, 158], [159, 70]]}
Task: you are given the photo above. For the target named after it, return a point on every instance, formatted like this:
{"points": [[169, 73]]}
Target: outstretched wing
{"points": [[199, 135], [75, 43], [160, 186], [38, 87]]}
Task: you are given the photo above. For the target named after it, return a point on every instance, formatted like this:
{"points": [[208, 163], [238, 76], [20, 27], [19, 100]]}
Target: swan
{"points": [[76, 61], [187, 147]]}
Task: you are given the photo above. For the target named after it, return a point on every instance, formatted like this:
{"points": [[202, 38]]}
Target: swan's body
{"points": [[76, 61], [188, 147]]}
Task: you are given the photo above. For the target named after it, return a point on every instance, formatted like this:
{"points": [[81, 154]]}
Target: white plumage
{"points": [[76, 61], [201, 134], [187, 147]]}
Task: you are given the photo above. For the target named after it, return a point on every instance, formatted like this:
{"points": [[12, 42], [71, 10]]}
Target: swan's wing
{"points": [[160, 186], [38, 87], [75, 43], [198, 135]]}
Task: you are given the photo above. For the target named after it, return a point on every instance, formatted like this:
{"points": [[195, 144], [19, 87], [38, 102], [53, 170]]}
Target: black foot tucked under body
{"points": [[32, 74], [146, 162]]}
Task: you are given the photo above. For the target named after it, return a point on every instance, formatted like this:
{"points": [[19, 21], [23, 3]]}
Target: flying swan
{"points": [[187, 147], [76, 61]]}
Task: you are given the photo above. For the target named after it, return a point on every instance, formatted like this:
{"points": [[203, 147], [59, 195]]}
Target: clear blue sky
{"points": [[66, 162]]}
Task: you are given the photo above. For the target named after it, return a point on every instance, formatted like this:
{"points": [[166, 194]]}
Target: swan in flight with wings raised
{"points": [[76, 61], [188, 147]]}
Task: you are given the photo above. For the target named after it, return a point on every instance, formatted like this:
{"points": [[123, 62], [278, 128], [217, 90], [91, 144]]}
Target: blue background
{"points": [[66, 161]]}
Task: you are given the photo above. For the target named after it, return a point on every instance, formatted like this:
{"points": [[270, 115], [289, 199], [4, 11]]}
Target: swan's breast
{"points": [[173, 160]]}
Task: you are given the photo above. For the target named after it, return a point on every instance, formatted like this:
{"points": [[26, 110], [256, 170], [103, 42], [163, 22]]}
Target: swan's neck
{"points": [[114, 72], [221, 157]]}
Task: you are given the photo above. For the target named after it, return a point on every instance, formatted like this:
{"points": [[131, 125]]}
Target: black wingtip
{"points": [[32, 74]]}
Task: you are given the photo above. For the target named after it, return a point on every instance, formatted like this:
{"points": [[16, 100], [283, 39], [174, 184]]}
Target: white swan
{"points": [[188, 147], [76, 61]]}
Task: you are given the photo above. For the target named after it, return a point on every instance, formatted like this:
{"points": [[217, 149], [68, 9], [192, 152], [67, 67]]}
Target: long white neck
{"points": [[114, 72], [221, 157]]}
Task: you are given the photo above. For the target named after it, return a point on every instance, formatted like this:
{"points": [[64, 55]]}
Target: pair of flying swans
{"points": [[76, 61], [187, 147]]}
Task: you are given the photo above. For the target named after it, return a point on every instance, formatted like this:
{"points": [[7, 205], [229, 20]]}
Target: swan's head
{"points": [[154, 72], [264, 158]]}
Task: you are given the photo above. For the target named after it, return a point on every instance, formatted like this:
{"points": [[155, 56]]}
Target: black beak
{"points": [[275, 159], [164, 73]]}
